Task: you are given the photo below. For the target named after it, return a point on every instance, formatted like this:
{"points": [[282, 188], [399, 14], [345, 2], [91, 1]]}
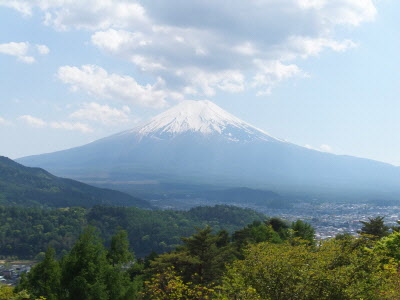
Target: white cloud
{"points": [[225, 38], [271, 73], [43, 49], [101, 14], [321, 148], [99, 83], [33, 121], [352, 12], [116, 40], [85, 14], [247, 48], [92, 14], [303, 47], [24, 7], [4, 122], [102, 113], [84, 128], [39, 123], [23, 50], [206, 83], [145, 64], [20, 50]]}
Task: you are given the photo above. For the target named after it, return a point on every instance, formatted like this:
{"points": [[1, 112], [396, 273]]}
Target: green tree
{"points": [[303, 231], [280, 226], [85, 269], [374, 228], [85, 272], [119, 285], [200, 259], [256, 232], [119, 250], [390, 246], [44, 278]]}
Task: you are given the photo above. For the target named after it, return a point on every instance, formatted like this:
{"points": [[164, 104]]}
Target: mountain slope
{"points": [[197, 141], [20, 185]]}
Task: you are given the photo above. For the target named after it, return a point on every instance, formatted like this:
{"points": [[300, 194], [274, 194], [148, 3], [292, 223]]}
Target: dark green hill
{"points": [[24, 232], [24, 186]]}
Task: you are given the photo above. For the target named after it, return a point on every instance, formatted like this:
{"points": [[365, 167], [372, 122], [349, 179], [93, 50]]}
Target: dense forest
{"points": [[26, 232], [264, 260]]}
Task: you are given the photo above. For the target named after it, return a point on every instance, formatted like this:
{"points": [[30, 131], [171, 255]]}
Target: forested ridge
{"points": [[25, 232], [24, 186]]}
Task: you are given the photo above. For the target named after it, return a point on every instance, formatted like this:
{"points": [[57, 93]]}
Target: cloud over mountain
{"points": [[102, 113], [198, 48]]}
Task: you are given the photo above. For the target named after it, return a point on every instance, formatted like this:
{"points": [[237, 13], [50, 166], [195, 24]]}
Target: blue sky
{"points": [[322, 74]]}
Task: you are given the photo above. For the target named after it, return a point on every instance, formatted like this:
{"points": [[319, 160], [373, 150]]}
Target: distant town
{"points": [[330, 219], [10, 271]]}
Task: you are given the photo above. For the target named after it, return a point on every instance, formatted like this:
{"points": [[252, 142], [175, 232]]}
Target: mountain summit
{"points": [[199, 142], [202, 117]]}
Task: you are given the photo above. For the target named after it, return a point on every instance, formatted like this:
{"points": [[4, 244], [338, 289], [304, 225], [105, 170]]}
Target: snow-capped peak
{"points": [[203, 117]]}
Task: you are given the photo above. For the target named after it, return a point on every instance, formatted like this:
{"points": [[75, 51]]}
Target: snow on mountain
{"points": [[202, 117], [198, 142]]}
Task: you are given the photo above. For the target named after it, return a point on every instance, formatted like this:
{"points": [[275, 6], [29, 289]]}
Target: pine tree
{"points": [[85, 269], [44, 278], [201, 258], [119, 285], [119, 250], [374, 228], [303, 231]]}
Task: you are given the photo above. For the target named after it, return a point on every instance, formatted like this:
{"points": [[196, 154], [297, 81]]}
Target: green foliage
{"points": [[303, 231], [256, 263], [280, 226], [256, 232], [200, 259], [84, 273], [8, 293], [338, 269], [374, 228], [25, 232], [390, 246], [44, 279], [119, 249], [168, 285], [85, 269]]}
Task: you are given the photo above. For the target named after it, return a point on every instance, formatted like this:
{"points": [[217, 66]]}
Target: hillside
{"points": [[24, 186], [27, 231]]}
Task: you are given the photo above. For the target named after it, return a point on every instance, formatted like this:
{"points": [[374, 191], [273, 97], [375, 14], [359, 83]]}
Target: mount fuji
{"points": [[199, 142]]}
